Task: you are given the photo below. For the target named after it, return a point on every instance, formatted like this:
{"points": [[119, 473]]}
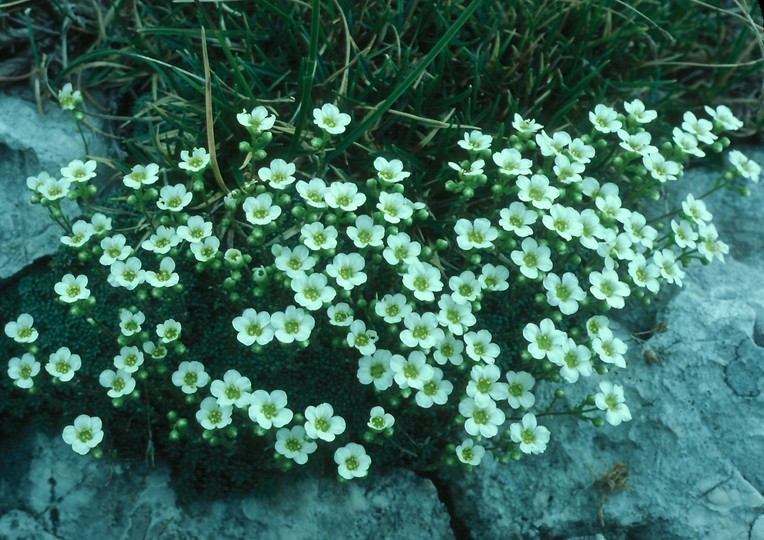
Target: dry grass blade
{"points": [[208, 117]]}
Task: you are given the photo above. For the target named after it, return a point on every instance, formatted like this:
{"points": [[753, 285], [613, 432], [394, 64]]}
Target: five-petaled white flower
{"points": [[519, 386], [362, 338], [190, 376], [480, 348], [165, 277], [379, 420], [68, 98], [233, 390], [605, 119], [423, 279], [434, 391], [84, 434], [316, 236], [476, 141], [195, 230], [347, 269], [212, 415], [330, 119], [120, 383], [269, 409], [71, 289], [115, 249], [129, 359], [531, 437], [511, 162], [174, 198], [344, 195], [140, 176], [477, 234], [390, 171], [256, 121], [352, 461], [375, 369], [745, 166], [537, 191], [321, 422], [312, 291], [533, 259], [22, 370], [82, 231], [195, 161], [638, 112], [483, 418], [470, 453], [22, 330], [294, 444], [564, 293], [313, 192], [543, 338], [169, 330], [79, 171], [607, 286], [393, 308], [293, 324], [610, 398], [278, 175]]}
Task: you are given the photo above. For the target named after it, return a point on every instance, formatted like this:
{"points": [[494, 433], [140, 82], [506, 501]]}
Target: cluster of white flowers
{"points": [[419, 337]]}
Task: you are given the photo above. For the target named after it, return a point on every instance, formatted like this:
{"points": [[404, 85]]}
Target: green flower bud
{"points": [[598, 421], [244, 146]]}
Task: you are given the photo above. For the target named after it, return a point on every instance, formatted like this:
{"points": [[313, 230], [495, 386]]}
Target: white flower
{"points": [[531, 437], [639, 231], [611, 207], [449, 349], [670, 268], [606, 286], [129, 359], [564, 293], [344, 195], [394, 207], [190, 376], [465, 287], [78, 171], [477, 234], [330, 119], [82, 231], [115, 249], [637, 111], [22, 330], [701, 128], [233, 390], [120, 383], [313, 192], [101, 224], [724, 117], [563, 220], [140, 176], [340, 314], [434, 391], [321, 423], [484, 385], [269, 410], [174, 198], [660, 168], [293, 324], [423, 279], [311, 291], [517, 219], [379, 420], [352, 461], [71, 288], [253, 327], [156, 351], [165, 277], [533, 258], [696, 209], [52, 189], [21, 370], [747, 168], [475, 141], [315, 236], [483, 418], [574, 360], [206, 249], [609, 348], [604, 119], [525, 126], [347, 269], [169, 330], [568, 172], [455, 316], [554, 145], [375, 369], [684, 233], [256, 121], [644, 274], [543, 338], [84, 434], [194, 162], [294, 444], [494, 278], [411, 372], [470, 453], [480, 348], [610, 399], [393, 308], [390, 171], [34, 183], [69, 99], [421, 331], [162, 241], [537, 191], [709, 244], [519, 386], [400, 248], [127, 274], [366, 233], [639, 142], [278, 175], [687, 142], [467, 168], [195, 230], [212, 415], [293, 261], [596, 325], [362, 338], [512, 163], [580, 152]]}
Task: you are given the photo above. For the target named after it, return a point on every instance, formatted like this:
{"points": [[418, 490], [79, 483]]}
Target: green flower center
{"points": [[530, 260], [410, 371], [25, 332], [484, 385], [292, 327], [311, 293], [231, 392], [190, 378], [269, 410], [377, 370], [611, 401], [447, 350], [62, 367], [131, 360], [259, 213], [73, 291], [528, 436], [161, 242], [467, 454], [340, 316], [362, 340], [343, 200], [352, 463], [174, 202], [480, 416], [479, 349], [392, 310], [26, 372], [195, 162], [321, 424], [563, 293], [378, 422], [85, 435], [516, 389], [319, 238], [571, 359], [170, 333], [138, 176], [364, 237], [293, 445], [543, 342], [346, 272], [536, 194], [476, 237], [453, 316], [215, 417], [421, 283], [430, 388], [421, 332], [466, 290], [391, 210], [401, 253], [118, 384], [561, 225], [278, 177]]}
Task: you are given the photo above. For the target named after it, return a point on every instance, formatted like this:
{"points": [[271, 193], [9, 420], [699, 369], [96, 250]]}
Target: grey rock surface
{"points": [[30, 144], [59, 494]]}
